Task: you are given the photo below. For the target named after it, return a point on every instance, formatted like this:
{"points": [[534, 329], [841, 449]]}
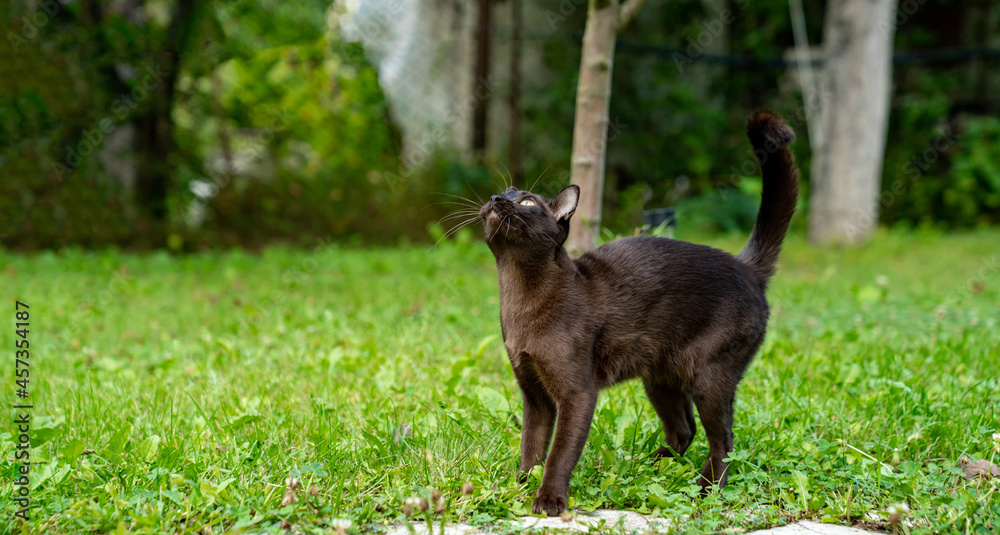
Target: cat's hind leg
{"points": [[673, 406], [714, 394]]}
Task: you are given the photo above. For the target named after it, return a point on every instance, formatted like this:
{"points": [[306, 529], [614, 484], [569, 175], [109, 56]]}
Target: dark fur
{"points": [[685, 318]]}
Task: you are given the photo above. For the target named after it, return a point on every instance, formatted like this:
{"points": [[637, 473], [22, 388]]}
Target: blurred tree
{"points": [[155, 127], [281, 131], [605, 18], [152, 97], [857, 77], [514, 138], [482, 68]]}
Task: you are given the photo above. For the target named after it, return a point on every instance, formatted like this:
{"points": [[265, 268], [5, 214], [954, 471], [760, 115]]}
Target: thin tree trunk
{"points": [[155, 131], [857, 79], [482, 74], [514, 148], [605, 18], [225, 142]]}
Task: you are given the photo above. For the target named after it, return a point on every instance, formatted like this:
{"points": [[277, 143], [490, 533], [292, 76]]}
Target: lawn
{"points": [[176, 394]]}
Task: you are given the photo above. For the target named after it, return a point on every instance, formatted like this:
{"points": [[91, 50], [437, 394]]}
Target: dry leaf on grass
{"points": [[981, 468]]}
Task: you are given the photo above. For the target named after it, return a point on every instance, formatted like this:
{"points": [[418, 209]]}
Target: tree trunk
{"points": [[482, 75], [590, 127], [225, 142], [153, 148], [857, 77], [155, 131], [514, 147]]}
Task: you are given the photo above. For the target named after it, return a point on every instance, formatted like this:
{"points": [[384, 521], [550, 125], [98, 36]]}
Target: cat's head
{"points": [[526, 221]]}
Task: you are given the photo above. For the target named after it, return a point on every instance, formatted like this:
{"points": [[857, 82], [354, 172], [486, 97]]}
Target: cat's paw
{"points": [[662, 452], [549, 504]]}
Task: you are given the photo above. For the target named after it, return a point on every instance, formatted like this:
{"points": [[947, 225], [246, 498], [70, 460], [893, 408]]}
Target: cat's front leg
{"points": [[539, 417], [574, 414]]}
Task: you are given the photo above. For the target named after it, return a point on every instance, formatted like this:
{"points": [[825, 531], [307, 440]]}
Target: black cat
{"points": [[685, 318]]}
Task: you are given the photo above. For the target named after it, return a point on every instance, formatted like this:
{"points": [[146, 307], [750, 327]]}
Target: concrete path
{"points": [[806, 527], [608, 521]]}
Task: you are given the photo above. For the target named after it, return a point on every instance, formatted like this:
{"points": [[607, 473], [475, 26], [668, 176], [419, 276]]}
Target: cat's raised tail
{"points": [[770, 137]]}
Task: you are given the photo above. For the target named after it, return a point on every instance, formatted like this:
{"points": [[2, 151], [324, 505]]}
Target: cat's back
{"points": [[653, 260], [650, 297]]}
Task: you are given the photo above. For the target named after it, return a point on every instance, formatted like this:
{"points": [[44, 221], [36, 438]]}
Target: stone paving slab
{"points": [[614, 522], [608, 520], [806, 527]]}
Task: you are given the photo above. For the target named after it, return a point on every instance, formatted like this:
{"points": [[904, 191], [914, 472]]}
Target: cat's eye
{"points": [[527, 202]]}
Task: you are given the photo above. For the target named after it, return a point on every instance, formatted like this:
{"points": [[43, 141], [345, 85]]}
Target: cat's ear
{"points": [[564, 203], [510, 189]]}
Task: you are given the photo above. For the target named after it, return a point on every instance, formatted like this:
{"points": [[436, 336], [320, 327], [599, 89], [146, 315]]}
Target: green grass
{"points": [[202, 382]]}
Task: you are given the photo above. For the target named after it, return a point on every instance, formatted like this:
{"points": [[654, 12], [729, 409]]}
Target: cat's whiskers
{"points": [[511, 175], [461, 206], [534, 232], [460, 203], [505, 185], [459, 213], [453, 230], [464, 212], [471, 203], [459, 227], [526, 225], [457, 222], [469, 218], [495, 231], [532, 188], [458, 216], [498, 186], [474, 192]]}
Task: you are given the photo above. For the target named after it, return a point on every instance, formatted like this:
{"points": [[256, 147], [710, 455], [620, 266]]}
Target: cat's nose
{"points": [[497, 198]]}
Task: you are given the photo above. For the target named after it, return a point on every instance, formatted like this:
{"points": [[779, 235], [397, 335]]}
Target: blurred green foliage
{"points": [[281, 132]]}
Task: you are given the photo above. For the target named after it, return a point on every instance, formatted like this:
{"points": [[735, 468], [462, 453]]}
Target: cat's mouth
{"points": [[499, 219], [497, 208]]}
